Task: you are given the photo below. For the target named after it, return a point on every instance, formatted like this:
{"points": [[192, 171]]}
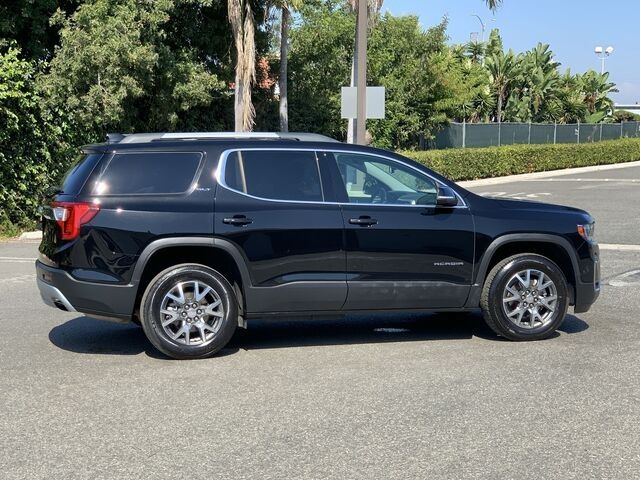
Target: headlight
{"points": [[587, 231]]}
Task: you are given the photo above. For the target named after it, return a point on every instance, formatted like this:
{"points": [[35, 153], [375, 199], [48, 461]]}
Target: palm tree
{"points": [[503, 69], [596, 88], [243, 28], [475, 50], [285, 7]]}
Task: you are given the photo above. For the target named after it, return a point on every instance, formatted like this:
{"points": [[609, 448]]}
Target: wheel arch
{"points": [[554, 247], [216, 253]]}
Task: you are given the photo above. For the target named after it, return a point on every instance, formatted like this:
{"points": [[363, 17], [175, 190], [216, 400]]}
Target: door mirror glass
{"points": [[446, 197]]}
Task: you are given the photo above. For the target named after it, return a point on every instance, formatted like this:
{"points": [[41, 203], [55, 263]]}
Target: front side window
{"points": [[374, 180], [152, 173], [275, 175]]}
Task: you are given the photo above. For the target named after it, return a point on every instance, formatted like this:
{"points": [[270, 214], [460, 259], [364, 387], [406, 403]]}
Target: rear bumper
{"points": [[59, 289], [54, 297]]}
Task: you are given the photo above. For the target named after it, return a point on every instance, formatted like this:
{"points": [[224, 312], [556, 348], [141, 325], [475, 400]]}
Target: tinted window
{"points": [[376, 180], [148, 173], [277, 175], [78, 172]]}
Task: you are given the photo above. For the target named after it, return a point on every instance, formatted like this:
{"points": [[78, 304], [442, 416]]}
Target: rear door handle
{"points": [[363, 221], [237, 220]]}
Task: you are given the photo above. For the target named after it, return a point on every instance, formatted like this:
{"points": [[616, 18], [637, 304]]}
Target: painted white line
{"points": [[620, 247], [617, 180], [17, 260], [621, 280], [550, 174]]}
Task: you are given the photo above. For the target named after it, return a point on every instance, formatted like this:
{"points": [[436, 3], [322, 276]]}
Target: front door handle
{"points": [[363, 221], [238, 220]]}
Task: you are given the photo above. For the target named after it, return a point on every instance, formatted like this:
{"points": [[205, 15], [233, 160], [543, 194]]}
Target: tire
{"points": [[198, 308], [515, 318]]}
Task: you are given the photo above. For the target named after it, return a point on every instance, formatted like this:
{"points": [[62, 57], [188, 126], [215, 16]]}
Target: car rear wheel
{"points": [[525, 297], [189, 311]]}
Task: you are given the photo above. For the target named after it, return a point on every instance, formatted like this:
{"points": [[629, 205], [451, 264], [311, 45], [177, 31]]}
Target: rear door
{"points": [[402, 251], [270, 204]]}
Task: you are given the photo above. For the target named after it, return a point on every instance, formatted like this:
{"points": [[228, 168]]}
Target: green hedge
{"points": [[472, 163]]}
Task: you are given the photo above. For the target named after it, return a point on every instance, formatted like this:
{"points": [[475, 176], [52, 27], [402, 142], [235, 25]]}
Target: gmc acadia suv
{"points": [[192, 234]]}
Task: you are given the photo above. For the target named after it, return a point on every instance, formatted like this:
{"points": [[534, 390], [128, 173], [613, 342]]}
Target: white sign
{"points": [[375, 102]]}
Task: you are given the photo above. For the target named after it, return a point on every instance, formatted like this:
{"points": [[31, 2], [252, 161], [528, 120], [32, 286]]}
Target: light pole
{"points": [[481, 23], [602, 54], [484, 29]]}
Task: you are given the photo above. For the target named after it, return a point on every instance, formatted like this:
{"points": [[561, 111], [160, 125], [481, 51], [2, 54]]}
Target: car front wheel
{"points": [[189, 311], [525, 297]]}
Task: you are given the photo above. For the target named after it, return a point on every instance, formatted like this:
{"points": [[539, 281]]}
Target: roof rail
{"points": [[151, 137]]}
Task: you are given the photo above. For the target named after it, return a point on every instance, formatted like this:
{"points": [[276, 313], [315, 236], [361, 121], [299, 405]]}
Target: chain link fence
{"points": [[473, 135]]}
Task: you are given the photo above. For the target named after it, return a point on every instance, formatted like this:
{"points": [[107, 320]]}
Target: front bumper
{"points": [[587, 292], [107, 301]]}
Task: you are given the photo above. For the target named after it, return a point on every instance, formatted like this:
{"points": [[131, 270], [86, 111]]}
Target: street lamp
{"points": [[481, 23], [602, 54]]}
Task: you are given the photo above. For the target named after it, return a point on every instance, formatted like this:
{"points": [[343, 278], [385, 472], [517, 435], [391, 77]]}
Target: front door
{"points": [[402, 251], [270, 204]]}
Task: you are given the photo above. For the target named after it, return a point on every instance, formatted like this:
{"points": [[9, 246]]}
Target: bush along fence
{"points": [[474, 135], [473, 163]]}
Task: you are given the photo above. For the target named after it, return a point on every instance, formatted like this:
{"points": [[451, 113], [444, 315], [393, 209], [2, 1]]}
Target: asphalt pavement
{"points": [[368, 397]]}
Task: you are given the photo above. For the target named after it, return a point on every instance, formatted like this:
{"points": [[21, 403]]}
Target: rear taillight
{"points": [[70, 216]]}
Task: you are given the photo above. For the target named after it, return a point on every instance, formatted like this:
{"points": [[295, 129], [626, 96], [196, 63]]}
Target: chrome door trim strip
{"points": [[219, 175]]}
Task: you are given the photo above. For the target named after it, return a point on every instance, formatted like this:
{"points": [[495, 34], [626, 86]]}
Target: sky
{"points": [[573, 28]]}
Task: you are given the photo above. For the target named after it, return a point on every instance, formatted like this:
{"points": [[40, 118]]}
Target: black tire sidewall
{"points": [[161, 285], [499, 283]]}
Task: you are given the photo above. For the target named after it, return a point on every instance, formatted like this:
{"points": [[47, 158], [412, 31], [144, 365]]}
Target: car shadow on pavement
{"points": [[377, 328], [90, 336], [100, 337]]}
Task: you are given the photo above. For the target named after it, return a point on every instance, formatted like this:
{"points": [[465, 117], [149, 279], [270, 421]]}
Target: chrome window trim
{"points": [[220, 172]]}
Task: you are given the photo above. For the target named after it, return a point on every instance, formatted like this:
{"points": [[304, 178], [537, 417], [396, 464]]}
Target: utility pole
{"points": [[361, 119]]}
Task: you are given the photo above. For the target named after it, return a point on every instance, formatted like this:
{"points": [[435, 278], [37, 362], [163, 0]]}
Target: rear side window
{"points": [[277, 175], [78, 173], [153, 173]]}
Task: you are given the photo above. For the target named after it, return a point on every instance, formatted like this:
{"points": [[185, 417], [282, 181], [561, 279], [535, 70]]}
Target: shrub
{"points": [[472, 163], [33, 153]]}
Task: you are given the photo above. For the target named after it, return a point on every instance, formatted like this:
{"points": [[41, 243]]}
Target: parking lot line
{"points": [[17, 260], [620, 247]]}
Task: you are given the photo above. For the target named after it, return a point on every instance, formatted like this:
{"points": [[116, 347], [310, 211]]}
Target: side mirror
{"points": [[446, 197]]}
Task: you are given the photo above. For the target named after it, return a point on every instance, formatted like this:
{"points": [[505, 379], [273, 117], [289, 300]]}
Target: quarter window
{"points": [[277, 175], [374, 180], [154, 173]]}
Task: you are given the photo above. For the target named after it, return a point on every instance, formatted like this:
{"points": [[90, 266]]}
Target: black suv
{"points": [[190, 235]]}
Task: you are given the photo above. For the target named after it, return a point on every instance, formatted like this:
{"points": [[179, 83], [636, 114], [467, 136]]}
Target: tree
{"points": [[503, 69], [116, 69], [373, 8], [597, 88], [285, 7], [243, 26], [32, 141], [409, 61], [27, 23]]}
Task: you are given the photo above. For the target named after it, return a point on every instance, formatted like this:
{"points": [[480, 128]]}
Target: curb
{"points": [[548, 174], [37, 235]]}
